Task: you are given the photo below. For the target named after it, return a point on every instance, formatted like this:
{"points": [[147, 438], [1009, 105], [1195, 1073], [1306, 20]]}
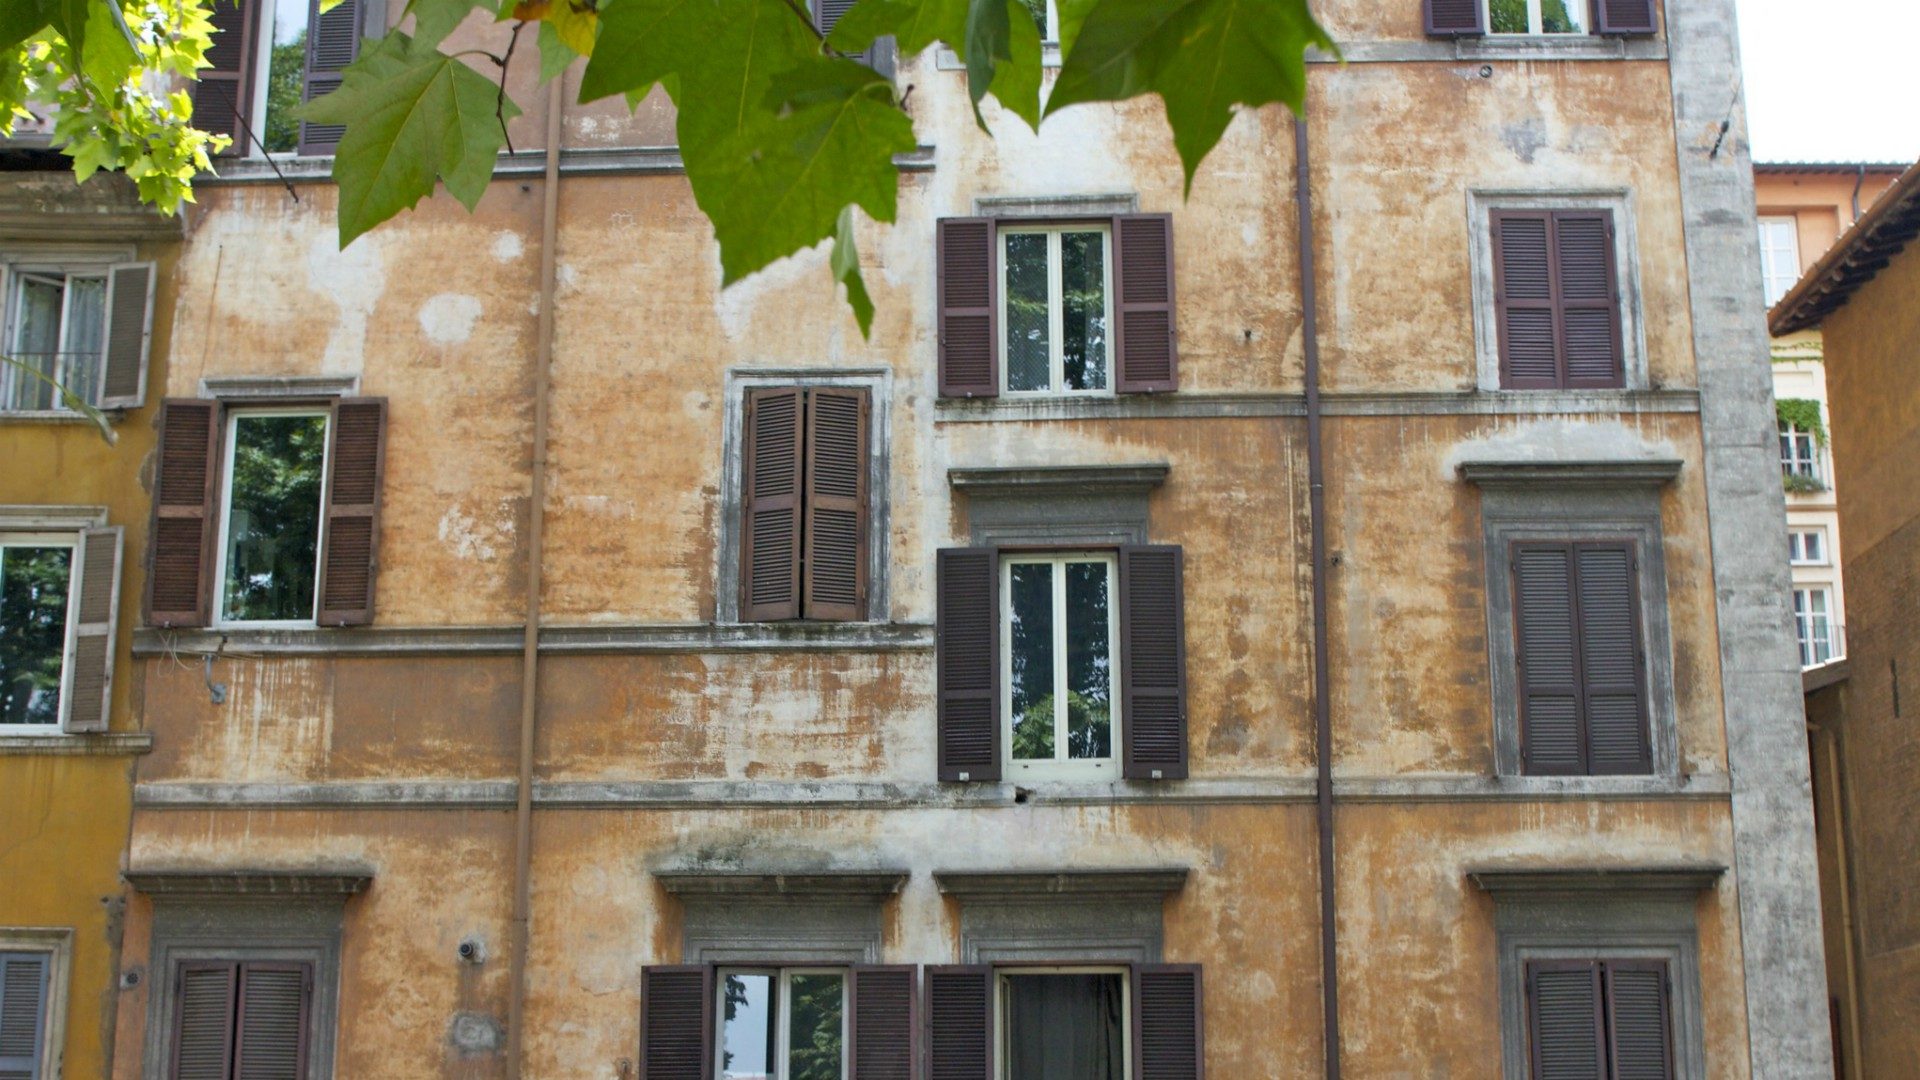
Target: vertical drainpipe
{"points": [[530, 643], [1317, 515]]}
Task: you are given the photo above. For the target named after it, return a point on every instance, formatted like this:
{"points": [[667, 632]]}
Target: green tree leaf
{"points": [[846, 270], [555, 56], [914, 24], [433, 20], [108, 55], [412, 116], [997, 39]]}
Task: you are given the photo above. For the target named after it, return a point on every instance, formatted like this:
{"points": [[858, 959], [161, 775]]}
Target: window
{"points": [[1054, 289], [805, 544], [1807, 547], [1605, 1019], [57, 601], [747, 1022], [782, 1024], [1557, 18], [1053, 1022], [270, 538], [1583, 707], [1779, 256], [1557, 299], [268, 56], [1069, 1024], [1060, 640], [1536, 17], [81, 326], [24, 994], [1799, 458], [1813, 624], [235, 1019]]}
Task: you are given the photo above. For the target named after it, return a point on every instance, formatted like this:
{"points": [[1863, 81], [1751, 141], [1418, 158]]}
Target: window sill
{"points": [[55, 416], [612, 161], [60, 744], [683, 638]]}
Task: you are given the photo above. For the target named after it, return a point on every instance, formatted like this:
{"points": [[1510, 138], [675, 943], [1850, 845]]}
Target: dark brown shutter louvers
{"points": [[1639, 1024], [1547, 660], [1153, 662], [23, 1012], [676, 1030], [123, 383], [1565, 1037], [835, 550], [1144, 348], [1524, 299], [355, 473], [1168, 1030], [333, 40], [967, 656], [223, 92], [1557, 302], [203, 1009], [1454, 18], [772, 476], [960, 1022], [1580, 662], [181, 539], [99, 612], [969, 317], [1611, 660], [1627, 18], [884, 1033], [270, 1032]]}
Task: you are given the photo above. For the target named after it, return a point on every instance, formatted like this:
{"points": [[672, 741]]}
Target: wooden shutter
{"points": [[23, 1014], [835, 550], [90, 693], [960, 1022], [1625, 17], [181, 540], [1556, 295], [129, 336], [1639, 1024], [676, 1027], [223, 94], [1612, 659], [1564, 1034], [356, 469], [967, 656], [203, 1011], [270, 1034], [772, 475], [1143, 333], [1588, 299], [333, 40], [878, 56], [969, 308], [1547, 660], [885, 1022], [1153, 662], [1168, 1040], [1523, 289], [1455, 18]]}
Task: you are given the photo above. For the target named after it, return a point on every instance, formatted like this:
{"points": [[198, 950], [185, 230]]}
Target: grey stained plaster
{"points": [[1774, 861]]}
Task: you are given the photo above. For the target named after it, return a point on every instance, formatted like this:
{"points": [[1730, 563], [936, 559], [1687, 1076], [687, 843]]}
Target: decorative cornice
{"points": [[341, 882], [875, 885], [1670, 882], [1645, 472], [1022, 481], [1003, 885], [49, 206], [104, 744]]}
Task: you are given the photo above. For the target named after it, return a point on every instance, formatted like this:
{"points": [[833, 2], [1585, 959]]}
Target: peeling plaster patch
{"points": [[474, 1033], [447, 319], [599, 504], [1525, 138], [463, 535], [567, 276], [354, 279], [1559, 441], [507, 245]]}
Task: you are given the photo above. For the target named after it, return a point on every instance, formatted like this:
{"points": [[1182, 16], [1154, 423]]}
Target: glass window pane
{"points": [[1030, 615], [36, 341], [1507, 16], [1562, 17], [815, 1030], [1089, 663], [749, 1022], [273, 518], [86, 335], [1083, 301], [285, 72], [1028, 354], [33, 632], [1064, 1027]]}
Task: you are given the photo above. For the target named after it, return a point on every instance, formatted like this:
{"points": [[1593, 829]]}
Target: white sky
{"points": [[1831, 80]]}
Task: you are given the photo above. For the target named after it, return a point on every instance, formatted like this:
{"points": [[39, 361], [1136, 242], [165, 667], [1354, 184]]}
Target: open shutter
{"points": [[1547, 660], [1564, 1036], [1153, 662], [885, 1022], [1524, 292], [270, 1041], [356, 467], [835, 550], [1639, 1022], [181, 539], [128, 337], [1625, 17], [203, 1020], [772, 476], [1168, 1042], [1588, 299], [969, 313], [1143, 334], [967, 655], [676, 1028], [1455, 18], [23, 1014], [223, 94], [333, 40], [960, 1022], [90, 693], [1611, 659]]}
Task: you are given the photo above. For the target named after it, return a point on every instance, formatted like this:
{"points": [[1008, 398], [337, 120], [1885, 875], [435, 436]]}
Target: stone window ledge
{"points": [[1529, 883], [680, 638], [853, 885], [1018, 885], [1649, 472], [340, 882], [106, 744], [1055, 480]]}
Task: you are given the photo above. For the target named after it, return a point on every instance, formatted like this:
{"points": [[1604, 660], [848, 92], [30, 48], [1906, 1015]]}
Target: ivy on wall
{"points": [[1802, 413]]}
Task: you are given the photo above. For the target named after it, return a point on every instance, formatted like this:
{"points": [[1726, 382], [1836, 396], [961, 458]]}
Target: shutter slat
{"points": [[128, 337], [836, 550], [1610, 659], [773, 471], [1548, 660], [960, 1022], [968, 312], [99, 613], [356, 469], [181, 540], [1626, 18], [885, 1018], [1153, 662], [1638, 1020], [1589, 308], [203, 1021], [23, 1005], [1455, 18], [1524, 299], [967, 656], [1563, 1020], [675, 1030], [222, 96], [1143, 336], [271, 1032], [1168, 1026], [333, 41]]}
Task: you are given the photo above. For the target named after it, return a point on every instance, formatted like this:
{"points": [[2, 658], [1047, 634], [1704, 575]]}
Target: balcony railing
{"points": [[1825, 647]]}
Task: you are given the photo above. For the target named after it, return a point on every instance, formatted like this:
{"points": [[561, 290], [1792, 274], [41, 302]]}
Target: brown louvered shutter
{"points": [[1153, 662], [1639, 1025], [23, 1014], [968, 310], [203, 1020], [1547, 659], [1564, 1025], [1523, 287], [675, 1025], [1455, 18], [223, 94], [123, 384], [835, 550], [885, 1019], [960, 1022], [1625, 17], [967, 656], [181, 539], [1611, 661], [333, 40], [1588, 299], [98, 614], [771, 474], [270, 1041], [1143, 337], [355, 470], [878, 56], [1168, 1031]]}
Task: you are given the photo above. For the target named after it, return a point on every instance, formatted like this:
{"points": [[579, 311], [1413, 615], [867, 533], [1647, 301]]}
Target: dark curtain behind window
{"points": [[1064, 1027]]}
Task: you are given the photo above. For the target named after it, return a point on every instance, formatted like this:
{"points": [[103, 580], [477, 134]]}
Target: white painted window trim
{"points": [[224, 509], [57, 944], [1056, 307], [73, 542], [783, 1038], [1003, 1028], [1775, 281], [1801, 454], [1805, 619], [86, 260], [1798, 547], [1577, 9], [1061, 767]]}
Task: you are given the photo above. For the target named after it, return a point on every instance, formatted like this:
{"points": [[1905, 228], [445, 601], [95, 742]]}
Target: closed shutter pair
{"points": [[1468, 18], [223, 99], [1145, 359], [1557, 299], [677, 1027], [235, 1020], [804, 541], [185, 512], [1580, 661], [1599, 1020], [1153, 663], [23, 1014]]}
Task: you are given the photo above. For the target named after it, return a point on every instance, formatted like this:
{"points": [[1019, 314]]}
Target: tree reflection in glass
{"points": [[1029, 354], [815, 1030], [1083, 308], [1089, 663], [33, 631], [1030, 620], [273, 517]]}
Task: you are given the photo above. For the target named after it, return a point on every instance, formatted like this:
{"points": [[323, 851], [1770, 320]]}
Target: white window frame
{"points": [[50, 261], [783, 1040], [1056, 306], [1805, 619], [1778, 279], [1797, 547], [225, 511], [1793, 462], [1536, 21], [1002, 1028], [267, 18], [72, 542], [1060, 767]]}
